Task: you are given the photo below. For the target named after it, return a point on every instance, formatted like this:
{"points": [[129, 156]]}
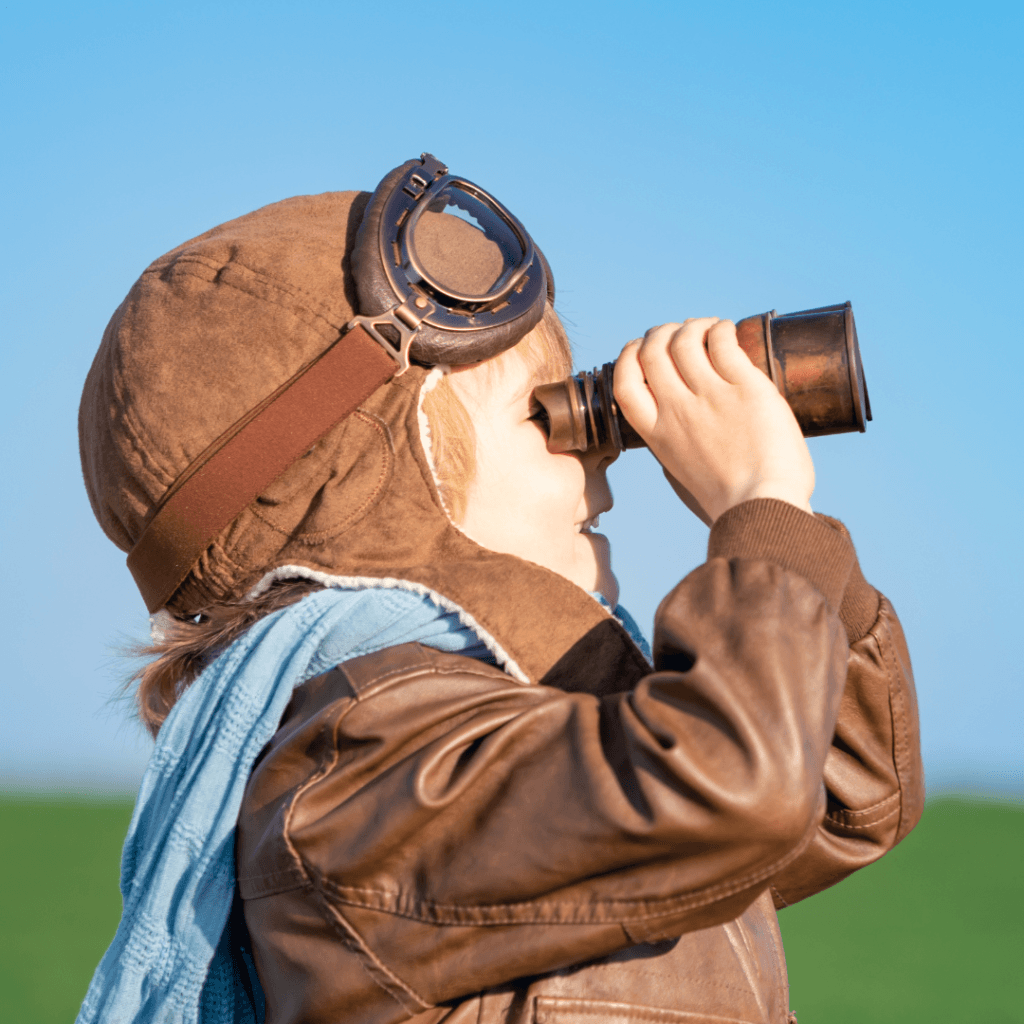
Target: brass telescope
{"points": [[811, 356]]}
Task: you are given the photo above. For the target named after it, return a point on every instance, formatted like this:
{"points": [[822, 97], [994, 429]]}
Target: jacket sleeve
{"points": [[477, 830], [873, 774]]}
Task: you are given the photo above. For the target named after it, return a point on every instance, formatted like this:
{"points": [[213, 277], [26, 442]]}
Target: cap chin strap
{"points": [[233, 471]]}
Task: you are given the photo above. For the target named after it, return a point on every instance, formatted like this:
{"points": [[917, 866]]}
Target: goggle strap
{"points": [[237, 467]]}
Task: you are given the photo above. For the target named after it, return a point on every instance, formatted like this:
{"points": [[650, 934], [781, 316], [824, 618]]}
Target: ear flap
{"points": [[433, 344]]}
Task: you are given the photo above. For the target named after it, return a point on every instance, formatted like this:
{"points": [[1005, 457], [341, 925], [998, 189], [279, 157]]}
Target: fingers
{"points": [[655, 358], [672, 355], [688, 354], [674, 362], [631, 390], [728, 359], [704, 351]]}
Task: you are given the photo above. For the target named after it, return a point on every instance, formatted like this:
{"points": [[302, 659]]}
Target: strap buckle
{"points": [[421, 178], [400, 324]]}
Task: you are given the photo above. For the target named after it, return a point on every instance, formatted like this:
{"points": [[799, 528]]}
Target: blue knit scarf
{"points": [[171, 960]]}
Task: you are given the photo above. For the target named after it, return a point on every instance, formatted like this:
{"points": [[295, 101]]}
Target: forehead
{"points": [[497, 385], [546, 350], [507, 378], [516, 373], [542, 357]]}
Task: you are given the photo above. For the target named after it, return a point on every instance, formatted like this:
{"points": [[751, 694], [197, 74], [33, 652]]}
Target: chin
{"points": [[603, 578]]}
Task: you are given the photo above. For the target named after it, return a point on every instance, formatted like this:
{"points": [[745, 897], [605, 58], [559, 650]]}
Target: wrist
{"points": [[779, 491]]}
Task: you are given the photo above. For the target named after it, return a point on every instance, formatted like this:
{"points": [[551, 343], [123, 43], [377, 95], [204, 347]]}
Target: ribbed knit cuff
{"points": [[769, 530], [859, 608]]}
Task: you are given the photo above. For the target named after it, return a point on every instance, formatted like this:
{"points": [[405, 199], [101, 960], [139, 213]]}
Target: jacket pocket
{"points": [[554, 1010]]}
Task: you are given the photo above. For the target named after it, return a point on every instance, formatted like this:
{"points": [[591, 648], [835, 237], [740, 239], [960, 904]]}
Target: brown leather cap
{"points": [[208, 332]]}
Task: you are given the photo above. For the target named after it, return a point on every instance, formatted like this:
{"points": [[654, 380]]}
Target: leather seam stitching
{"points": [[676, 903], [637, 1011], [329, 730], [391, 677], [900, 740], [866, 824], [845, 817], [313, 539], [351, 937], [873, 807]]}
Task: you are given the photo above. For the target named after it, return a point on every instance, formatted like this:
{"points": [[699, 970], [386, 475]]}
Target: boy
{"points": [[478, 800]]}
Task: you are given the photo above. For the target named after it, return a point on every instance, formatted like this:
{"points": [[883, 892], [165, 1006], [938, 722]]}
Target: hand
{"points": [[717, 424]]}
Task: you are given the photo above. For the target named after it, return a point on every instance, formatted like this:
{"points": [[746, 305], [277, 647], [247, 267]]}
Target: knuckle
{"points": [[655, 332]]}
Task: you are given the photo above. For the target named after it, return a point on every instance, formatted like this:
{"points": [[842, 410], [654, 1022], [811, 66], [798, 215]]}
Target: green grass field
{"points": [[930, 933]]}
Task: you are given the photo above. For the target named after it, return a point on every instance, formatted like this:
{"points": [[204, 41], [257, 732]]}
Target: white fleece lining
{"points": [[430, 382], [290, 572]]}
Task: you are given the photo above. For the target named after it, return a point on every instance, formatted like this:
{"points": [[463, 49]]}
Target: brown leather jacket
{"points": [[428, 838]]}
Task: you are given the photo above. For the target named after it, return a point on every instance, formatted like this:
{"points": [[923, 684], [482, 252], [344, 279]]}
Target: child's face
{"points": [[524, 500]]}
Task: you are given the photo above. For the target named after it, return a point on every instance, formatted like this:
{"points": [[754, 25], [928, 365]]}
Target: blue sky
{"points": [[672, 159]]}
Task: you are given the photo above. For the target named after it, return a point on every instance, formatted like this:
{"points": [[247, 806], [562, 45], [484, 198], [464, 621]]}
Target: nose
{"points": [[597, 492]]}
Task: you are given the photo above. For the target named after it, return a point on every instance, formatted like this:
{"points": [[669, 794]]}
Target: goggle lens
{"points": [[461, 246]]}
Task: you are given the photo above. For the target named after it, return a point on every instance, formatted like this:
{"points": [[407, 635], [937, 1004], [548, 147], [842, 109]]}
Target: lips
{"points": [[589, 524]]}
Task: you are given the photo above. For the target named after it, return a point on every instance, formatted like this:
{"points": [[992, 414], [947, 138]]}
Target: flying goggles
{"points": [[444, 272]]}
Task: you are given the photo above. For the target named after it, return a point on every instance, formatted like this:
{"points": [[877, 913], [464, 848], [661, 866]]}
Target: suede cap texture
{"points": [[206, 334]]}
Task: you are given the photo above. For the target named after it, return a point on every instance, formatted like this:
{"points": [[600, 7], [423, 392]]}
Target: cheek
{"points": [[536, 489], [566, 481], [555, 482]]}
